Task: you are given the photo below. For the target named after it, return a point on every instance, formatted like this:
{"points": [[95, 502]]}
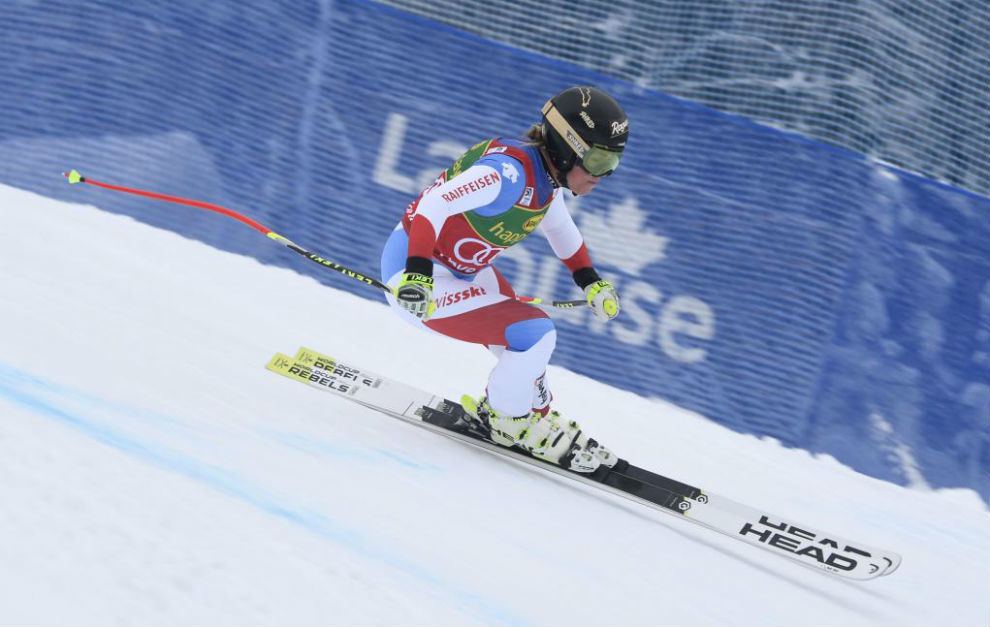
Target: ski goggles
{"points": [[598, 161]]}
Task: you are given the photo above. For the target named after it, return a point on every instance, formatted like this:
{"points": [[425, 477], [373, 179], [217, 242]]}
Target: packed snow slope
{"points": [[154, 473]]}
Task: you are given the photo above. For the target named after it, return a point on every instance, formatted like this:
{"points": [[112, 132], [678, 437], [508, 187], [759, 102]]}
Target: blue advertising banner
{"points": [[777, 285]]}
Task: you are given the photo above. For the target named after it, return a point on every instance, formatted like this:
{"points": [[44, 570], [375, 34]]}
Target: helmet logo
{"points": [[587, 119], [618, 128], [585, 96], [577, 144]]}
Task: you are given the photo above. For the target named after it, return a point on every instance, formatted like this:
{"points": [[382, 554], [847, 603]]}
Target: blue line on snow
{"points": [[316, 446], [12, 382]]}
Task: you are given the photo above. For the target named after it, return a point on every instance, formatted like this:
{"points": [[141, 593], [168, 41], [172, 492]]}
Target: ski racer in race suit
{"points": [[438, 262]]}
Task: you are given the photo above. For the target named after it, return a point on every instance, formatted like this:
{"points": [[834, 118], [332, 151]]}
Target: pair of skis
{"points": [[797, 542]]}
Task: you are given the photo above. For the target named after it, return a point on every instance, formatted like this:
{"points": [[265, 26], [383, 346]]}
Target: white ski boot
{"points": [[604, 455], [547, 437]]}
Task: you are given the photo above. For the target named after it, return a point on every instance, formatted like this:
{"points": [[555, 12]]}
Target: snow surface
{"points": [[154, 473]]}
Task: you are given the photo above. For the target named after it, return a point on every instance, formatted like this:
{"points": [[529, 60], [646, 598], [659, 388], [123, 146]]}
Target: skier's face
{"points": [[580, 182]]}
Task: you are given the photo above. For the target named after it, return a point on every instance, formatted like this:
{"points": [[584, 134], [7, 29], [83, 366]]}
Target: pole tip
{"points": [[74, 177]]}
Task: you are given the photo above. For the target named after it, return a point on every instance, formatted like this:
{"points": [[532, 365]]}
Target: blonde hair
{"points": [[535, 135]]}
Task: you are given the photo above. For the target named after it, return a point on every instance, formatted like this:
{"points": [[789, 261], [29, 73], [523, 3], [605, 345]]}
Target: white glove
{"points": [[415, 295], [602, 298]]}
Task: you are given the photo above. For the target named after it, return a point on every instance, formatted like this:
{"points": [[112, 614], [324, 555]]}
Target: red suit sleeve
{"points": [[580, 259], [422, 238]]}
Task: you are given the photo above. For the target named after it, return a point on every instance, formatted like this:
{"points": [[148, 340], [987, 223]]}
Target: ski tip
{"points": [[895, 563], [74, 177]]}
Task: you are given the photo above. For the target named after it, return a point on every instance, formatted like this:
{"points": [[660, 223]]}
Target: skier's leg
{"points": [[527, 340], [482, 309], [542, 396], [517, 403], [511, 384]]}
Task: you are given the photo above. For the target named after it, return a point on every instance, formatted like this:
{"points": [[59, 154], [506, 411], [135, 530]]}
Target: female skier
{"points": [[438, 262]]}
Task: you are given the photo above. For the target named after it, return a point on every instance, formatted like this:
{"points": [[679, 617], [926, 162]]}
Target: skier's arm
{"points": [[567, 243]]}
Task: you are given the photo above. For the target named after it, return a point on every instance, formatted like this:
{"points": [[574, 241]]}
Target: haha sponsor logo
{"points": [[504, 235]]}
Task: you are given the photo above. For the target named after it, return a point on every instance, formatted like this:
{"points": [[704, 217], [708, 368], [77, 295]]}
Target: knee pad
{"points": [[523, 335]]}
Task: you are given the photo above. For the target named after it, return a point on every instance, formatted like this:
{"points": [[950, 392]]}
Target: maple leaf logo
{"points": [[621, 238]]}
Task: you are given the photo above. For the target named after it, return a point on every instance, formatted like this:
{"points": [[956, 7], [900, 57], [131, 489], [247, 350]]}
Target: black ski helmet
{"points": [[587, 126]]}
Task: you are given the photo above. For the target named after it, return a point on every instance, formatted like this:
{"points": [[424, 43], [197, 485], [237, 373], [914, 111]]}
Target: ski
{"points": [[800, 543]]}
